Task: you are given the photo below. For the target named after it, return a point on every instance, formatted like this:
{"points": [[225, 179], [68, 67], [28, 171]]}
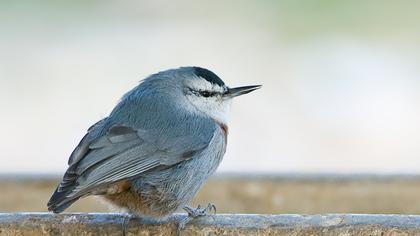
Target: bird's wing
{"points": [[124, 152], [83, 147]]}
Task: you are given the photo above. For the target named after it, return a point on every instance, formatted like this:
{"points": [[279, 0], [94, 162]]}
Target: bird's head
{"points": [[194, 89], [209, 94]]}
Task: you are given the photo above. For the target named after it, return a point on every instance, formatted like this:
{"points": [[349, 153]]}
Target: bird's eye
{"points": [[206, 94]]}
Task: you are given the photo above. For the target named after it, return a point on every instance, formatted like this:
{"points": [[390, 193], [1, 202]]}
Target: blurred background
{"points": [[341, 80]]}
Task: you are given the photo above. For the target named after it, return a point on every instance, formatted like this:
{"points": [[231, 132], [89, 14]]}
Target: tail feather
{"points": [[60, 207], [60, 199]]}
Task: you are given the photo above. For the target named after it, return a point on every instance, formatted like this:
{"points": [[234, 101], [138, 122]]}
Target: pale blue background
{"points": [[341, 78]]}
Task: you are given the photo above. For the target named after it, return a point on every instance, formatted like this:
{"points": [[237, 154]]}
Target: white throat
{"points": [[216, 107]]}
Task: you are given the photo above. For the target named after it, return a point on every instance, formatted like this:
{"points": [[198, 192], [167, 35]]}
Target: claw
{"points": [[195, 213], [211, 208]]}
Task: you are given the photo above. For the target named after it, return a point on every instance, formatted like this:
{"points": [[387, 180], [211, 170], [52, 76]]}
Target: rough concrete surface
{"points": [[121, 224]]}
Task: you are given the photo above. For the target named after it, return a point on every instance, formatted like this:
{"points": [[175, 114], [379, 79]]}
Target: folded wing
{"points": [[124, 152]]}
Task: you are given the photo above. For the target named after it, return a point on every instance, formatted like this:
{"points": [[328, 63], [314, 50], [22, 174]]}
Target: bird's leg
{"points": [[195, 213]]}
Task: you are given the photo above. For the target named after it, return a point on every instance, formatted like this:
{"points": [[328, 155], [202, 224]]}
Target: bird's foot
{"points": [[197, 212], [194, 213]]}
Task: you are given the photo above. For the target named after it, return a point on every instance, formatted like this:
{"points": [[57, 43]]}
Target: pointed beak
{"points": [[234, 92]]}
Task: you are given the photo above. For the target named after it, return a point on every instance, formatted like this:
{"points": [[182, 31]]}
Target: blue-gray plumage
{"points": [[156, 148]]}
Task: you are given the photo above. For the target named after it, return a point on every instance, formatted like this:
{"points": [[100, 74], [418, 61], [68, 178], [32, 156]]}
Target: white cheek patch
{"points": [[214, 107]]}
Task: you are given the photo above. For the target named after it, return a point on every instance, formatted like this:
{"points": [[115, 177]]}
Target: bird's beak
{"points": [[234, 92]]}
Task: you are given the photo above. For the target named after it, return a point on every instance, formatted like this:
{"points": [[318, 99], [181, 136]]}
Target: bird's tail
{"points": [[60, 201], [62, 197]]}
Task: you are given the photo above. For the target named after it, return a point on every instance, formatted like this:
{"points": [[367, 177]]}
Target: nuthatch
{"points": [[156, 148]]}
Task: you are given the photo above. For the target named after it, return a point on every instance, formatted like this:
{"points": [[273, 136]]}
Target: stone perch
{"points": [[221, 224]]}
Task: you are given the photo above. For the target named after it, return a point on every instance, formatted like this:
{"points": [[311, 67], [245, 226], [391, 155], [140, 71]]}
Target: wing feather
{"points": [[122, 153], [83, 147], [98, 155]]}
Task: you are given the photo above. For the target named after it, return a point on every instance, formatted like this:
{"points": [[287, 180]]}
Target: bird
{"points": [[156, 148]]}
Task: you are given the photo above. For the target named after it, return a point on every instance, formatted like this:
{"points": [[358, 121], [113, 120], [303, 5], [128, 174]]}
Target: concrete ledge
{"points": [[221, 224]]}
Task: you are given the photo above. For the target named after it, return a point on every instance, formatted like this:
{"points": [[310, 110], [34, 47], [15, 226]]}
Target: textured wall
{"points": [[309, 194]]}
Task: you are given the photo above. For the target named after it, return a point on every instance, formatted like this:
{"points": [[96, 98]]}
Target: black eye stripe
{"points": [[203, 93], [206, 94], [195, 92]]}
